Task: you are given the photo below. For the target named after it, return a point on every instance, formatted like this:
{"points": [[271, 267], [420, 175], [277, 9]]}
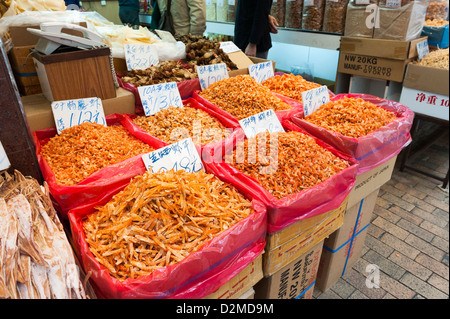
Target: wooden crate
{"points": [[75, 74]]}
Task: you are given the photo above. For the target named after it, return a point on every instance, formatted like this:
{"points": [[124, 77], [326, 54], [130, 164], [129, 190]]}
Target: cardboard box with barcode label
{"points": [[286, 245], [241, 285], [295, 280], [243, 62], [376, 58], [343, 248]]}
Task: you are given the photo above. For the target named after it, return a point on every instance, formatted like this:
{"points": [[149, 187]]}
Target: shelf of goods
{"points": [[307, 38]]}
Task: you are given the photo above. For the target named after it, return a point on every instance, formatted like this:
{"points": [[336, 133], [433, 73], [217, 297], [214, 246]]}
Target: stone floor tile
{"points": [[414, 229], [410, 265], [395, 288], [425, 247], [403, 203], [399, 245], [439, 283], [432, 264], [390, 228], [380, 246], [436, 230], [422, 288], [384, 264]]}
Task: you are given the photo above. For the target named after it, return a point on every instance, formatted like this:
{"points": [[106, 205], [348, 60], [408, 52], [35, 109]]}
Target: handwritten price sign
{"points": [[70, 113], [4, 162], [140, 56], [261, 71], [208, 74], [423, 49], [229, 46], [261, 122], [313, 99], [159, 96], [176, 156]]}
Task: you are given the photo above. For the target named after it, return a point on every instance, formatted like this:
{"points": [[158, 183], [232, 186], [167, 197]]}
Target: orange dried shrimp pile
{"points": [[289, 85], [351, 117], [84, 149], [242, 96], [159, 219], [176, 123], [286, 163]]}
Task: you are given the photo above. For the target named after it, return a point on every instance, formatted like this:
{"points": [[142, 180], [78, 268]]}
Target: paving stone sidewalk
{"points": [[408, 238]]}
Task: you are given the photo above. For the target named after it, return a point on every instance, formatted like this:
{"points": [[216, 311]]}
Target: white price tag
{"points": [[361, 2], [261, 71], [313, 99], [4, 161], [70, 113], [208, 74], [261, 122], [208, 2], [308, 3], [140, 56], [176, 156], [229, 47], [393, 3], [423, 49], [233, 2], [220, 3], [159, 96]]}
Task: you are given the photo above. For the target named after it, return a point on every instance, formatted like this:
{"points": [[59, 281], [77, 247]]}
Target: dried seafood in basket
{"points": [[84, 149], [351, 117], [159, 219], [293, 16], [334, 16], [437, 9], [36, 259], [313, 11], [242, 96], [202, 51], [289, 85], [175, 123], [435, 23], [286, 163], [167, 71]]}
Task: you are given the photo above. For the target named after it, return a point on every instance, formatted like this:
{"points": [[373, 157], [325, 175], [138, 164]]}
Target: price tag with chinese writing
{"points": [[208, 74], [423, 49], [4, 161], [176, 156], [261, 71], [229, 47], [261, 122], [313, 99], [393, 3], [159, 96], [70, 113], [140, 56]]}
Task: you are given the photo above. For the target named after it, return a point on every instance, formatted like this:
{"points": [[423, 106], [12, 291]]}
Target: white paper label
{"points": [[140, 56], [233, 2], [70, 113], [361, 2], [261, 71], [220, 3], [308, 3], [159, 96], [393, 3], [426, 103], [229, 47], [423, 49], [208, 2], [313, 99], [4, 161], [208, 74], [261, 122], [176, 156]]}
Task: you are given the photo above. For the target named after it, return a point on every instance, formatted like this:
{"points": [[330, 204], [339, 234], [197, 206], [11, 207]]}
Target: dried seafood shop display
{"points": [[289, 85], [36, 259]]}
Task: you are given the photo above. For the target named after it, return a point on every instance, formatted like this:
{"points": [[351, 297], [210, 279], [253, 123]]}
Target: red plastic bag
{"points": [[375, 148], [213, 148], [316, 200], [186, 89], [297, 108], [94, 186], [198, 275]]}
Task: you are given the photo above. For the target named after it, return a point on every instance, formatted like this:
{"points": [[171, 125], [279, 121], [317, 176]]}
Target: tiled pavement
{"points": [[408, 238]]}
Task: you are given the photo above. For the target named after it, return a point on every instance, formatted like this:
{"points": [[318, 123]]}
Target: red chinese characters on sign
{"points": [[431, 99]]}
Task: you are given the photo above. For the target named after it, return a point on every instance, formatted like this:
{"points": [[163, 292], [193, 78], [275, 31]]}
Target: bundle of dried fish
{"points": [[167, 71], [159, 219], [36, 259], [436, 59]]}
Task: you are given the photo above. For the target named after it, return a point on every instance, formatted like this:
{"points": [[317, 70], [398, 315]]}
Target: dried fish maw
{"points": [[40, 281], [20, 206]]}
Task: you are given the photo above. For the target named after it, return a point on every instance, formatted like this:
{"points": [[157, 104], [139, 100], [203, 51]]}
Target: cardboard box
{"points": [[243, 61], [240, 284], [40, 116], [249, 294], [428, 79], [295, 280], [288, 244], [371, 180], [343, 248], [376, 58]]}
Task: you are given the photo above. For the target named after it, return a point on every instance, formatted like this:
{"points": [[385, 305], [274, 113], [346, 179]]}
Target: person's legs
{"points": [[129, 16]]}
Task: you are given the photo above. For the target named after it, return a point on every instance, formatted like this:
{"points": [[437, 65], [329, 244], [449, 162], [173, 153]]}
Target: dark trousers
{"points": [[129, 15]]}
